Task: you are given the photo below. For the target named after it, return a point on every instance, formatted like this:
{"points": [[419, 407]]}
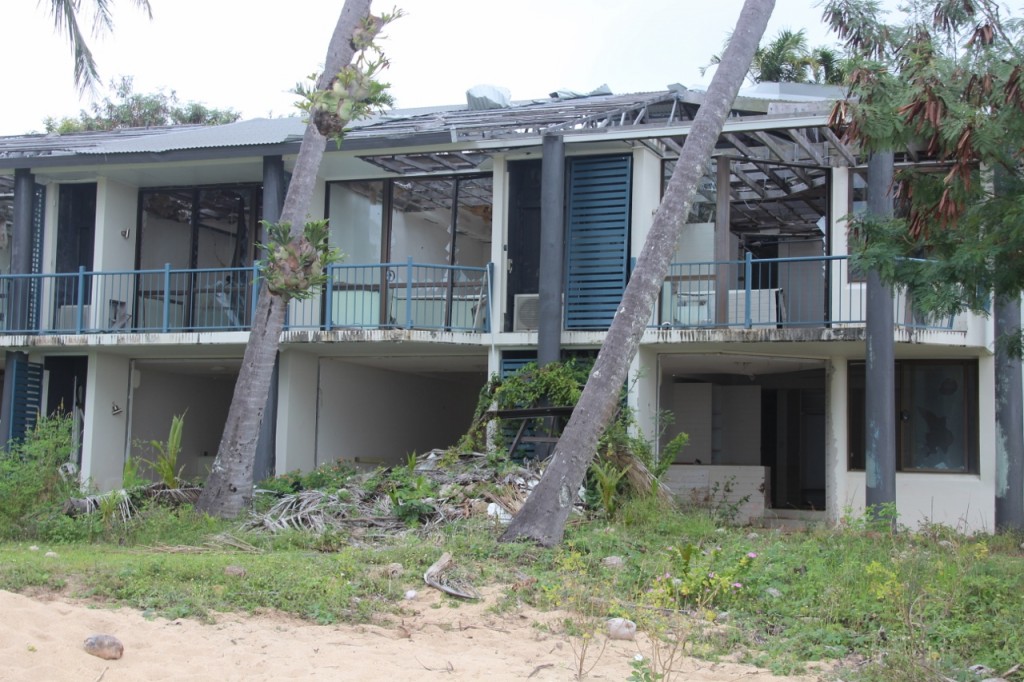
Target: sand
{"points": [[41, 638]]}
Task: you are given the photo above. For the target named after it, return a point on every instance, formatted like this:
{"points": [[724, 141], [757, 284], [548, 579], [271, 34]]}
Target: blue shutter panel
{"points": [[27, 395], [598, 240]]}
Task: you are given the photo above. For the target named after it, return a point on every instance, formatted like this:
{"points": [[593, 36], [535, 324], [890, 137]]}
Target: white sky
{"points": [[248, 55]]}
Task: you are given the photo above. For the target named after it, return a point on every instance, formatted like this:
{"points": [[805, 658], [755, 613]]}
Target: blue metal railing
{"points": [[401, 296], [814, 291], [408, 295]]}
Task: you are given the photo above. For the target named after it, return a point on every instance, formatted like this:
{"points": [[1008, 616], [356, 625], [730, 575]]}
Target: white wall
{"points": [[116, 211], [104, 437], [380, 416], [646, 196], [297, 380], [204, 399], [644, 379]]}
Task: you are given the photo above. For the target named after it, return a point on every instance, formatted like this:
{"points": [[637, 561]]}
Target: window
{"points": [[936, 416]]}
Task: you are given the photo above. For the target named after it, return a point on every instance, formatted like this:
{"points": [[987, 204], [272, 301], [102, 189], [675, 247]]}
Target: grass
{"points": [[901, 606]]}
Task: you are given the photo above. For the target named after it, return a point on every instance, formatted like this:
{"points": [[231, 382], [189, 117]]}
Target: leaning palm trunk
{"points": [[543, 517], [229, 487]]}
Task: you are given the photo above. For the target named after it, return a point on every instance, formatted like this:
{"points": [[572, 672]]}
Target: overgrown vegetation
{"points": [[32, 487], [877, 605]]}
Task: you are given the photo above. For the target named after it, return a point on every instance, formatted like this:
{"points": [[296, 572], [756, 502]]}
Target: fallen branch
{"points": [[433, 578]]}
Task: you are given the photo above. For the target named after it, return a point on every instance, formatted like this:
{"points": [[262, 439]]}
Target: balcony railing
{"points": [[816, 291], [409, 296]]}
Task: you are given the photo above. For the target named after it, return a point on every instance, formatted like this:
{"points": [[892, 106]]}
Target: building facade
{"points": [[129, 271]]}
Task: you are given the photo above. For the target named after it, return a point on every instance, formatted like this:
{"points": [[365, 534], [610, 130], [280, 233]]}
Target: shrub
{"points": [[31, 481]]}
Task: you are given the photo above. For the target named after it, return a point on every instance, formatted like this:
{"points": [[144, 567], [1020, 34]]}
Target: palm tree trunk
{"points": [[228, 489], [543, 517]]}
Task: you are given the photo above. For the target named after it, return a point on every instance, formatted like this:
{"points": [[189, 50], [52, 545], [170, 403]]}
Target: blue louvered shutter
{"points": [[512, 362], [597, 249], [27, 395]]}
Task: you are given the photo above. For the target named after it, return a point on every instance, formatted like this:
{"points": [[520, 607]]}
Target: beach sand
{"points": [[41, 638]]}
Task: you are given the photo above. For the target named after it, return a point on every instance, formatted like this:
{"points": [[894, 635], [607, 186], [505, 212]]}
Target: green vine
{"points": [[295, 267], [355, 92]]}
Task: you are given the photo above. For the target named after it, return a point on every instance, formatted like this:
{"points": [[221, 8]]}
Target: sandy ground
{"points": [[41, 638]]}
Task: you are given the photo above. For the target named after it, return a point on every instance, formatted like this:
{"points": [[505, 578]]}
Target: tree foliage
{"points": [[125, 108], [66, 20], [943, 86], [787, 58]]}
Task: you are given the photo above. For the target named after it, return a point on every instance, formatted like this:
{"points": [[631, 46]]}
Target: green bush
{"points": [[31, 483]]}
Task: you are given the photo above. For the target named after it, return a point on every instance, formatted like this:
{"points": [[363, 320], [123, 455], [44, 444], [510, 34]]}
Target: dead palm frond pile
{"points": [[427, 492]]}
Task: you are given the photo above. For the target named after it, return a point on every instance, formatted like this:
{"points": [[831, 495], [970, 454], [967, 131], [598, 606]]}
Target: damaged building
{"points": [[129, 261]]}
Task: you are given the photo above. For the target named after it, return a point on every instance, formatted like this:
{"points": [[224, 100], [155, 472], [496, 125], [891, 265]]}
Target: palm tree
{"points": [[543, 516], [65, 15], [787, 59], [783, 60]]}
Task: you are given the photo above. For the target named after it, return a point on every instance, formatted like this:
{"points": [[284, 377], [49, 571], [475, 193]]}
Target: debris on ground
{"points": [[433, 489], [441, 577]]}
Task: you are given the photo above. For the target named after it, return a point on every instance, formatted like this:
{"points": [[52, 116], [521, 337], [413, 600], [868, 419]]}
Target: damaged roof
{"points": [[776, 141]]}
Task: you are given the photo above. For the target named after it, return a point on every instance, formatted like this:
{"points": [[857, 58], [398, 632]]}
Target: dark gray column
{"points": [[724, 278], [18, 294], [1009, 405], [21, 249], [273, 200], [273, 187], [552, 250], [1009, 421], [879, 384]]}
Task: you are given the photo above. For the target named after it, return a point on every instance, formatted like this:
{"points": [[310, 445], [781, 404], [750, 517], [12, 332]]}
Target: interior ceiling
{"points": [[192, 366], [723, 363]]}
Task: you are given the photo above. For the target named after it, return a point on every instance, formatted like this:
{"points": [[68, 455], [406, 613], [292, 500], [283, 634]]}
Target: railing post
{"points": [[165, 323], [255, 293], [329, 298], [748, 273], [408, 293], [489, 317], [80, 301]]}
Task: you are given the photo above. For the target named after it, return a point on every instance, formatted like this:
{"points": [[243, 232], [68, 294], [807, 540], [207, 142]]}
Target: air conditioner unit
{"points": [[526, 312]]}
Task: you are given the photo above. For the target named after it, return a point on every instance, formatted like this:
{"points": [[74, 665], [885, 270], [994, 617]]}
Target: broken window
{"points": [[936, 416]]}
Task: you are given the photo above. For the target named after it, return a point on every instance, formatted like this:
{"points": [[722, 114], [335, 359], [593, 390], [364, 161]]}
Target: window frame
{"points": [[903, 369]]}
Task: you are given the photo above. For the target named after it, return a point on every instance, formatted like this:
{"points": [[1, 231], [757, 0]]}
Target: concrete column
{"points": [[879, 383], [105, 433], [298, 384], [552, 250], [836, 437]]}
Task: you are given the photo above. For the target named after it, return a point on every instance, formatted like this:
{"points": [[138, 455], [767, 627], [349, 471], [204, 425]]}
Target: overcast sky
{"points": [[249, 55]]}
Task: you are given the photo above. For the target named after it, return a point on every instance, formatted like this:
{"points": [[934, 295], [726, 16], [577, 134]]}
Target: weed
{"points": [[607, 476], [165, 462]]}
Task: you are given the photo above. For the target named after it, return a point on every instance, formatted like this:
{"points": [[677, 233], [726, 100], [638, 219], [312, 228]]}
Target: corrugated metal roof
{"points": [[460, 122], [258, 131]]}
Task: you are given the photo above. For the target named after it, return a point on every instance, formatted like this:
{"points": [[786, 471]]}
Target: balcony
{"points": [[782, 293], [387, 295]]}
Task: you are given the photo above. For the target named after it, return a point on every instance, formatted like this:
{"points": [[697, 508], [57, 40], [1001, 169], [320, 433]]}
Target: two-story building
{"points": [[130, 278]]}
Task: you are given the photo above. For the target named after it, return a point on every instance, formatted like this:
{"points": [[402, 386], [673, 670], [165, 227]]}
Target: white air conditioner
{"points": [[526, 313]]}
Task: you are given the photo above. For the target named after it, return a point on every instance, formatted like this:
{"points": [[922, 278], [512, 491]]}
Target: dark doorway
{"points": [[65, 388], [523, 234], [76, 231]]}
